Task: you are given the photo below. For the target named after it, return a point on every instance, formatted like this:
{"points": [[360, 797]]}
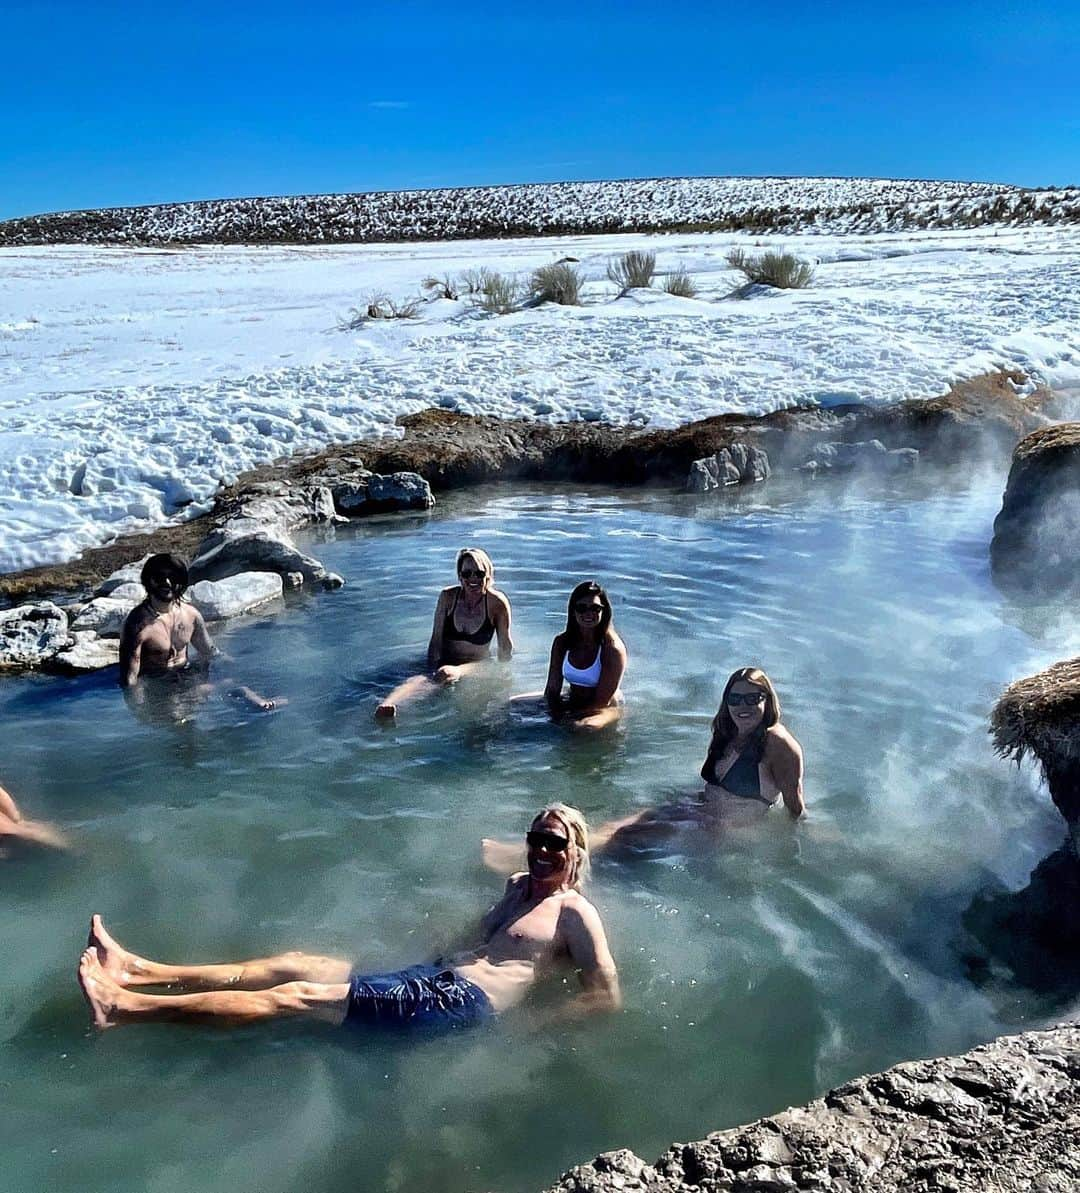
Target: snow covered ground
{"points": [[133, 382]]}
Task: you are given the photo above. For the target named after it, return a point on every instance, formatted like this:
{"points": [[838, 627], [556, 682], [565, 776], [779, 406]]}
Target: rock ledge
{"points": [[1004, 1117]]}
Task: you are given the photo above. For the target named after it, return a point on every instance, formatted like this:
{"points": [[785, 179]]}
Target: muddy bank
{"points": [[451, 451], [1001, 1117]]}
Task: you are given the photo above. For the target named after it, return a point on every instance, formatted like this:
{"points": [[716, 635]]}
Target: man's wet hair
{"points": [[170, 568]]}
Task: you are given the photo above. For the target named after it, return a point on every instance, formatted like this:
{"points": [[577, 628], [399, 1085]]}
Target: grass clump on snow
{"points": [[680, 283], [498, 293], [443, 287], [632, 271], [556, 283], [783, 270], [379, 306]]}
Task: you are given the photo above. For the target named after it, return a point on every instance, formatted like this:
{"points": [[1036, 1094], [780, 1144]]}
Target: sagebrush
{"points": [[379, 306], [498, 292], [558, 283], [632, 271], [783, 270], [680, 283], [443, 287]]}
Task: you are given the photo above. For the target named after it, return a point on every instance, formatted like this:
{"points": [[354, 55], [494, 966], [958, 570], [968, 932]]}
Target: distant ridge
{"points": [[832, 205]]}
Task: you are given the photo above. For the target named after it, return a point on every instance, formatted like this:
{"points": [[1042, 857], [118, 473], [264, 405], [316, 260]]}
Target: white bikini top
{"points": [[588, 677]]}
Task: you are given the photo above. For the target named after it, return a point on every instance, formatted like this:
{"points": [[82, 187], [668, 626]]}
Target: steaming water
{"points": [[757, 972]]}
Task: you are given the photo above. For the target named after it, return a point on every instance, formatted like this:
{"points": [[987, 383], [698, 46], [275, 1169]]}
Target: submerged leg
{"points": [[113, 1004], [128, 969], [596, 720], [412, 689]]}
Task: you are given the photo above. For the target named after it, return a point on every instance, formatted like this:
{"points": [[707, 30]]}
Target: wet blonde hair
{"points": [[482, 560], [577, 829]]}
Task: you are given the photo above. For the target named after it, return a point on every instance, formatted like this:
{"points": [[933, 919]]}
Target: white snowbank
{"points": [[134, 382]]}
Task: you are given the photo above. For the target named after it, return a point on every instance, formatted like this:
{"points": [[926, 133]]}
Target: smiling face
{"points": [[550, 850], [746, 706], [472, 575]]}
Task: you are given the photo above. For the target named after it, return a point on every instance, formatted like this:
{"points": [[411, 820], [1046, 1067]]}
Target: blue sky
{"points": [[122, 103]]}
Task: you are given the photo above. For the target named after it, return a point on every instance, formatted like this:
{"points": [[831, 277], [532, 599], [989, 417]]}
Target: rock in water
{"points": [[1036, 544], [104, 616], [218, 599], [738, 464], [869, 455], [87, 652], [1040, 715], [31, 634]]}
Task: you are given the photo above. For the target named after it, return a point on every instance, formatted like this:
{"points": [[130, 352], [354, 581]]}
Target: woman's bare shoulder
{"points": [[615, 643], [500, 598], [779, 737]]}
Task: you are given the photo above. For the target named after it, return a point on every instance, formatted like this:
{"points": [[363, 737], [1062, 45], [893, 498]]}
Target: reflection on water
{"points": [[760, 968]]}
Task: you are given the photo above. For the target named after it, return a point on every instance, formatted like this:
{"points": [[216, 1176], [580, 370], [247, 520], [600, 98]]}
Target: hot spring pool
{"points": [[756, 972]]}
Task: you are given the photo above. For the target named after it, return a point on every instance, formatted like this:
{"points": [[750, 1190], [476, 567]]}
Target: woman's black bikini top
{"points": [[743, 777], [479, 637]]}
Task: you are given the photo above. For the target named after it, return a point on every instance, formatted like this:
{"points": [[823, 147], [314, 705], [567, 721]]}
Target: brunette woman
{"points": [[588, 657]]}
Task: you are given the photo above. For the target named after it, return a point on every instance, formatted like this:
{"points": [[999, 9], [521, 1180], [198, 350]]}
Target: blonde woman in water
{"points": [[468, 615]]}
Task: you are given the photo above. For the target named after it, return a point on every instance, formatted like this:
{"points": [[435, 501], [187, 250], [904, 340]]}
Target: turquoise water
{"points": [[757, 971]]}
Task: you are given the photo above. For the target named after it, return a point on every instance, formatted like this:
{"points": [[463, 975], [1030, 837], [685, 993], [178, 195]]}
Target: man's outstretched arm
{"points": [[588, 947]]}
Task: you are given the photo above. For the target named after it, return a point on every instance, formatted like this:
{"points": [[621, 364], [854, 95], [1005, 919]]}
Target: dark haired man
{"points": [[158, 632]]}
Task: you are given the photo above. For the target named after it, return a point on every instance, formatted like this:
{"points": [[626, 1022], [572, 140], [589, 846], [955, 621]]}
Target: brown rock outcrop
{"points": [[1040, 715], [1002, 1118], [1036, 544]]}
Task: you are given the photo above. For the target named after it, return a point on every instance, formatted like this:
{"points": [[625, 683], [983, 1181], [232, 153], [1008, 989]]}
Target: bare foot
{"points": [[501, 856], [386, 712], [256, 701], [114, 960], [98, 990]]}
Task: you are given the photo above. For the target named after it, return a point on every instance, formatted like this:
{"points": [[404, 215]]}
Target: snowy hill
{"points": [[786, 205]]}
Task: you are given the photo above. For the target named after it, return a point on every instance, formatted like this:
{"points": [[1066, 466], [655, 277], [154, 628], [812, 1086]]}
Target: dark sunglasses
{"points": [[470, 574], [552, 842], [749, 698], [584, 607]]}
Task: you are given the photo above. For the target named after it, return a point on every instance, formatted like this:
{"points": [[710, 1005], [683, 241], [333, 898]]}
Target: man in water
{"points": [[543, 921], [158, 633]]}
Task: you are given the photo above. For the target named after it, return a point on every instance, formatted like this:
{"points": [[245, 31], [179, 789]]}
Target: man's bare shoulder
{"points": [[140, 619], [576, 906]]}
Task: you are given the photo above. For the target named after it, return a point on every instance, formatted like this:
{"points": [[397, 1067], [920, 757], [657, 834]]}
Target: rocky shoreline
{"points": [[453, 451], [1001, 1118]]}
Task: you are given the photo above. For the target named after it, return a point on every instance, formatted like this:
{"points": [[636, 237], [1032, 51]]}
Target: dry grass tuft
{"points": [[632, 271], [558, 283], [681, 284], [379, 306], [783, 270], [1040, 715]]}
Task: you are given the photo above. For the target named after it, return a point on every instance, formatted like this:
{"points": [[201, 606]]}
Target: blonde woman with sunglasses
{"points": [[468, 616]]}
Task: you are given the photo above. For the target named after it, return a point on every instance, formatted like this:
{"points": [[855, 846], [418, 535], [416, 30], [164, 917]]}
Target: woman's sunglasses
{"points": [[748, 698], [585, 607], [470, 574], [552, 842]]}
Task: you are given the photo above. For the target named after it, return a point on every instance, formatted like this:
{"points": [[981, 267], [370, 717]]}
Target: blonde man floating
{"points": [[543, 922]]}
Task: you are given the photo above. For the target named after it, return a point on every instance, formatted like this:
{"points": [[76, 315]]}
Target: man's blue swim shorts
{"points": [[422, 997]]}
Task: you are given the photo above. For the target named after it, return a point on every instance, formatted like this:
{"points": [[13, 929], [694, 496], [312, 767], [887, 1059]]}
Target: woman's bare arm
{"points": [[553, 686], [435, 645], [785, 758], [502, 626]]}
